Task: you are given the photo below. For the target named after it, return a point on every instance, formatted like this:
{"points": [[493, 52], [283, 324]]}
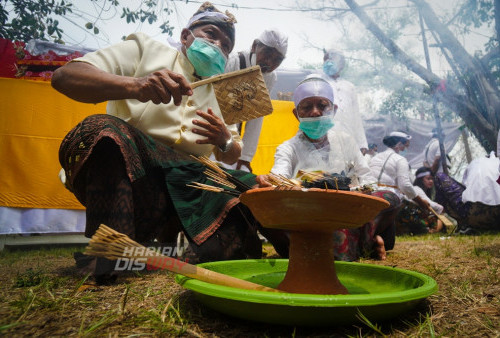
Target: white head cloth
{"points": [[310, 87], [424, 173], [400, 134], [275, 39]]}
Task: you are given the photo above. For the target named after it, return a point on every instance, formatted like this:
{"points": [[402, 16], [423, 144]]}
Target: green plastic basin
{"points": [[378, 292]]}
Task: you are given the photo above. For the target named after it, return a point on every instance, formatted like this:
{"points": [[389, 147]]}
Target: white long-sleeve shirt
{"points": [[341, 153], [433, 151], [396, 172], [348, 117]]}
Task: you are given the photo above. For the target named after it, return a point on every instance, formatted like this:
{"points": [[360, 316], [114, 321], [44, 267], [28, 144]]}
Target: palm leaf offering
{"points": [[242, 95]]}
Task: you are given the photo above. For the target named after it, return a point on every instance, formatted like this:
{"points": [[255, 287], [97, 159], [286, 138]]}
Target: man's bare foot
{"points": [[379, 248]]}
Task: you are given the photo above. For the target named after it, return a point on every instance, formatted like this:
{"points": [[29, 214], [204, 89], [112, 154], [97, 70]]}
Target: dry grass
{"points": [[42, 295]]}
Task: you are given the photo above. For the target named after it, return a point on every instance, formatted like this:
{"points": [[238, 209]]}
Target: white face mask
{"points": [[402, 149], [206, 58]]}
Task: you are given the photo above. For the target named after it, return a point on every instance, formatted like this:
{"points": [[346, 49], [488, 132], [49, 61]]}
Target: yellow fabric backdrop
{"points": [[276, 128], [34, 118]]}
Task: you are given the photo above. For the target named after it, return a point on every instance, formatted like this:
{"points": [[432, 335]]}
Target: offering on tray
{"points": [[318, 179]]}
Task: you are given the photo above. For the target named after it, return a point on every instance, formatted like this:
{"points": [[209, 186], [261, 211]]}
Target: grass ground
{"points": [[41, 294]]}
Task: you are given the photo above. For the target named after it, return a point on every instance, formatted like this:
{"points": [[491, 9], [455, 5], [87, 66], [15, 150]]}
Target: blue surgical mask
{"points": [[316, 127], [330, 68], [206, 58], [403, 153]]}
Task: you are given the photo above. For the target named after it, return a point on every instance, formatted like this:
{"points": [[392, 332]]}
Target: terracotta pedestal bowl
{"points": [[311, 216]]}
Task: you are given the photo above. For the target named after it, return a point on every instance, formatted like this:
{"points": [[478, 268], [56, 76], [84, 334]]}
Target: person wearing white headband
{"points": [[411, 219], [392, 169], [268, 51], [319, 147], [423, 184]]}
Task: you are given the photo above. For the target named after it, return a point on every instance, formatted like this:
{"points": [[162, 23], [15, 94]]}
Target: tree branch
{"points": [[483, 124], [398, 53]]}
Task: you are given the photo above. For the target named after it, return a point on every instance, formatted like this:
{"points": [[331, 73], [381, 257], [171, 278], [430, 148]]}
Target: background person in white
{"points": [[348, 117], [432, 154], [393, 171], [268, 51], [317, 146]]}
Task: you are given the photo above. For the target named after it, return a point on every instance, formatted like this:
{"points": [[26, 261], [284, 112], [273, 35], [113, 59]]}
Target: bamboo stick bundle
{"points": [[111, 244], [223, 175], [280, 180], [218, 179], [209, 163]]}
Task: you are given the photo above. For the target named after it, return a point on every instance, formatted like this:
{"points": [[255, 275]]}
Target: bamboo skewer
{"points": [[207, 187], [218, 175], [224, 76], [281, 180], [111, 244], [218, 179], [242, 187], [209, 163]]}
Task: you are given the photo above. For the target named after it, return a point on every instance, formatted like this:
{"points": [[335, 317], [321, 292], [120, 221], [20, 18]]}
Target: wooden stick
{"points": [[442, 218], [207, 187], [280, 180], [111, 244], [218, 178], [224, 76], [209, 163]]}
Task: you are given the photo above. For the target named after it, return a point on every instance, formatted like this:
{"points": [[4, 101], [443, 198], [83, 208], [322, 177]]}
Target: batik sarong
{"points": [[470, 215]]}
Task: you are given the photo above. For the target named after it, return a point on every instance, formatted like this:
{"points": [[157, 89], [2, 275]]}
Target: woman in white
{"points": [[423, 184], [392, 170], [411, 218]]}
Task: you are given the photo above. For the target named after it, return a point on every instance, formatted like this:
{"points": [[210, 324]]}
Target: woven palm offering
{"points": [[242, 95]]}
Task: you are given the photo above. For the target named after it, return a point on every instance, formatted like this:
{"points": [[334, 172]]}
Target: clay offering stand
{"points": [[311, 216]]}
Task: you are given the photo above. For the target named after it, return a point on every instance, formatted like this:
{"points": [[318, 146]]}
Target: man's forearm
{"points": [[85, 83]]}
